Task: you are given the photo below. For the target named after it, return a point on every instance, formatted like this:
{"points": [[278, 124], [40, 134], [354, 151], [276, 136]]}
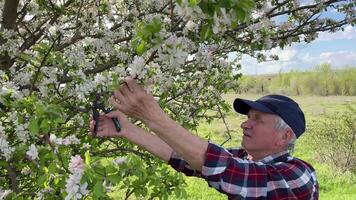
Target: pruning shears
{"points": [[100, 106]]}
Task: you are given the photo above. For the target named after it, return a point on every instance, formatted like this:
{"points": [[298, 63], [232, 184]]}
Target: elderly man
{"points": [[261, 169]]}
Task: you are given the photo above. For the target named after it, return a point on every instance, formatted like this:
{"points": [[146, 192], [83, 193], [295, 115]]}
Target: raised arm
{"points": [[134, 101]]}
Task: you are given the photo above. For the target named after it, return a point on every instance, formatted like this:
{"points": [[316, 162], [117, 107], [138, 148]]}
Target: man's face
{"points": [[259, 133]]}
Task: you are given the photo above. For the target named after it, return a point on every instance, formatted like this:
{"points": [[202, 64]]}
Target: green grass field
{"points": [[334, 184]]}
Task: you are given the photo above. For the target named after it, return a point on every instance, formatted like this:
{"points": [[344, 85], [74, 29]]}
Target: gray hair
{"points": [[282, 125]]}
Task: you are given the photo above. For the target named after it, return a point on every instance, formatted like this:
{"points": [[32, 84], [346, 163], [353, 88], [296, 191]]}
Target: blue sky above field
{"points": [[338, 49]]}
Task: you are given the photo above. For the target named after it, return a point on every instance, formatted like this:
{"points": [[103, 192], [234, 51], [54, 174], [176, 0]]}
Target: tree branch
{"points": [[9, 22], [41, 65], [13, 177], [10, 14]]}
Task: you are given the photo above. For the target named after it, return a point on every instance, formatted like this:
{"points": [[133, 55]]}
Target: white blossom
{"points": [[76, 190], [86, 146], [191, 25], [32, 152], [76, 164], [26, 171], [137, 67], [5, 149], [120, 160], [72, 139], [40, 194], [23, 77], [22, 131], [188, 11], [4, 193]]}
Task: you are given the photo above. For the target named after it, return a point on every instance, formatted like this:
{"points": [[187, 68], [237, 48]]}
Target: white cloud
{"points": [[349, 33], [337, 59], [286, 56], [291, 59]]}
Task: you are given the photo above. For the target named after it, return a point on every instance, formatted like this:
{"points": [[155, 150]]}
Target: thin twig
{"points": [[41, 65], [226, 126]]}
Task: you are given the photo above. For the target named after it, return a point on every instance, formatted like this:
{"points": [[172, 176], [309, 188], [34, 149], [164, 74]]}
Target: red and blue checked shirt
{"points": [[279, 176]]}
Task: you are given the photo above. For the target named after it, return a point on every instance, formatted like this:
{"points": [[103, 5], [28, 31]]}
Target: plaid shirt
{"points": [[277, 176]]}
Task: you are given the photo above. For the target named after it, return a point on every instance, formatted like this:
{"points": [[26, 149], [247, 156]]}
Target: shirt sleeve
{"points": [[180, 165]]}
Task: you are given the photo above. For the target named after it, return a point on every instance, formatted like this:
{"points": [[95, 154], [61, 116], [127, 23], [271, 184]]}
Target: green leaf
{"points": [[33, 126], [156, 25], [98, 190], [40, 109], [140, 49], [115, 178], [206, 32], [52, 168], [25, 56], [207, 8], [194, 2], [87, 158], [45, 125], [45, 169], [41, 180], [89, 174], [240, 14]]}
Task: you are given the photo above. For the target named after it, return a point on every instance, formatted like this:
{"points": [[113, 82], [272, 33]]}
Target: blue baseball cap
{"points": [[279, 105]]}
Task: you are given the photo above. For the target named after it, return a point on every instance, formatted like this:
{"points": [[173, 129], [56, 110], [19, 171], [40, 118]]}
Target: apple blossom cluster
{"points": [[173, 53], [41, 194], [136, 68], [10, 88], [188, 11], [1, 6], [120, 160], [4, 193], [21, 130], [32, 152], [12, 44], [5, 149], [224, 21], [72, 139], [74, 188]]}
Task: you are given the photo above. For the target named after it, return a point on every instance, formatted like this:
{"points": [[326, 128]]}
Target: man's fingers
{"points": [[114, 102], [118, 97], [132, 84], [125, 90], [115, 114]]}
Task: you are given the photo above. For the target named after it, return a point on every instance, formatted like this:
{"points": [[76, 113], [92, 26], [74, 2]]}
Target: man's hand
{"points": [[137, 135], [107, 128], [134, 101]]}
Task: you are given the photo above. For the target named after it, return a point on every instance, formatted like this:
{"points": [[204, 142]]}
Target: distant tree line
{"points": [[322, 80]]}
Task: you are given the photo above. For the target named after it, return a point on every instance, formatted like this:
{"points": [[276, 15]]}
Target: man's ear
{"points": [[285, 138]]}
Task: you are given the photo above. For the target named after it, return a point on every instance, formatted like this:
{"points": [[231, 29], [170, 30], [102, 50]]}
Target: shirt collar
{"points": [[282, 156]]}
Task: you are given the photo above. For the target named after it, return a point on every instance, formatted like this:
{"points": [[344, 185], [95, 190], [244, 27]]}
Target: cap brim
{"points": [[243, 106]]}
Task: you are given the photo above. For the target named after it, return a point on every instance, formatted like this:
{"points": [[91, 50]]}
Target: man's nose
{"points": [[247, 124]]}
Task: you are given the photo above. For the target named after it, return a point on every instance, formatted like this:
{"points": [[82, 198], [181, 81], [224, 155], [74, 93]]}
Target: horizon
{"points": [[337, 49]]}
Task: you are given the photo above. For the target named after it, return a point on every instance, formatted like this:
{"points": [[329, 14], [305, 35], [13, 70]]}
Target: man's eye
{"points": [[259, 120]]}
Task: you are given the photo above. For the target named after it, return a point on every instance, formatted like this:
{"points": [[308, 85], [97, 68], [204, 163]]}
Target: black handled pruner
{"points": [[100, 106]]}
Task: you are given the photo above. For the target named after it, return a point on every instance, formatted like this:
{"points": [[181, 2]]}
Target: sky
{"points": [[338, 49]]}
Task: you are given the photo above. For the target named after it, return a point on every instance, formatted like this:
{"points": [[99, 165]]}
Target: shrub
{"points": [[335, 139]]}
